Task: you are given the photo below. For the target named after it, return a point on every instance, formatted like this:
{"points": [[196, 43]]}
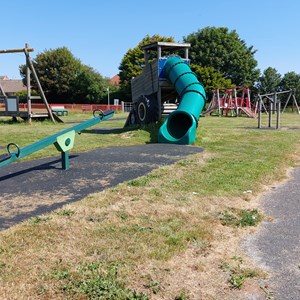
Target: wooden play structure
{"points": [[233, 102], [11, 104], [167, 83], [271, 103]]}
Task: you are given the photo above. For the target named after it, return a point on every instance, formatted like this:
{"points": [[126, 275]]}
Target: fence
{"points": [[70, 107]]}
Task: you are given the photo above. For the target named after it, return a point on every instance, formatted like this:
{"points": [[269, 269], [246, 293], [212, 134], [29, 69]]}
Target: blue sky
{"points": [[99, 33]]}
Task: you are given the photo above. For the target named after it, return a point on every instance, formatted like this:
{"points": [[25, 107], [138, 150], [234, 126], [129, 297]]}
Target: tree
{"points": [[226, 52], [291, 81], [269, 82], [133, 62], [64, 78], [89, 86], [211, 79]]}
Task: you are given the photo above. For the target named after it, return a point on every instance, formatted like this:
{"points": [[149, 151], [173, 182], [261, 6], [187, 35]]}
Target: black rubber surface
{"points": [[277, 245], [89, 172]]}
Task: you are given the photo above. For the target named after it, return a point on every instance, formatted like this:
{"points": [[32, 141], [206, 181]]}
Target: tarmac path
{"points": [[276, 246], [35, 187]]}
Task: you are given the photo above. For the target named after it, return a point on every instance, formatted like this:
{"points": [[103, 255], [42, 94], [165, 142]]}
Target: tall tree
{"points": [[133, 62], [211, 79], [89, 86], [224, 50], [269, 81], [291, 81], [64, 78]]}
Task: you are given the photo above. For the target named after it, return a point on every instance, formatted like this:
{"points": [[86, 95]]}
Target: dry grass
{"points": [[160, 234]]}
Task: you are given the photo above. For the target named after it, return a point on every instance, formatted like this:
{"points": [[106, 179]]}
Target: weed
{"points": [[97, 281], [60, 275], [237, 280], [143, 181], [182, 296], [227, 217], [238, 275], [37, 220], [66, 212], [249, 218], [154, 286], [240, 218]]}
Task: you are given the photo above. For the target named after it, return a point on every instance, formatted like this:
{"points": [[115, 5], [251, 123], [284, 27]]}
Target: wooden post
{"points": [[16, 50], [295, 101], [218, 102], [236, 102], [39, 85], [270, 113], [259, 111], [2, 91], [278, 108], [28, 89]]}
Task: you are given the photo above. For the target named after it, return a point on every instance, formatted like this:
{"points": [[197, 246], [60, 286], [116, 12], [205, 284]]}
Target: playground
{"points": [[155, 209], [147, 214]]}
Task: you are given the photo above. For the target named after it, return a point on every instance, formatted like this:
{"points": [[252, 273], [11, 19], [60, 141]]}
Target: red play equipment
{"points": [[235, 100]]}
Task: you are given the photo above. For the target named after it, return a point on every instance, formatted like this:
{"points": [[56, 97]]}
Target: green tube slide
{"points": [[181, 125]]}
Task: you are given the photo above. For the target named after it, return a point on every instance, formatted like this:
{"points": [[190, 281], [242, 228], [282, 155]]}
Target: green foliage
{"points": [[89, 85], [64, 78], [237, 280], [96, 281], [154, 286], [226, 52], [182, 296], [210, 78], [37, 220], [238, 274], [240, 218], [269, 82], [291, 81], [133, 62], [143, 181], [65, 212]]}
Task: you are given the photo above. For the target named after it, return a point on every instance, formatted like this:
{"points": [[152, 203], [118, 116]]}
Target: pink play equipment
{"points": [[233, 101]]}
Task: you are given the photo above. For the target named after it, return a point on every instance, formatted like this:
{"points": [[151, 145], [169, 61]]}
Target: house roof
{"points": [[115, 80], [11, 85]]}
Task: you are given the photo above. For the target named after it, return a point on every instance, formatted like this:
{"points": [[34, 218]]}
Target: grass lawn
{"points": [[172, 234]]}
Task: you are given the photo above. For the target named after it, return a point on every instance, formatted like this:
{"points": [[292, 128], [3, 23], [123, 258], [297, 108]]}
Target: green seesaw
{"points": [[63, 141]]}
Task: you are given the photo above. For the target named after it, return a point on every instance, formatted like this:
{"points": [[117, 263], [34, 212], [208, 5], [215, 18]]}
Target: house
{"points": [[11, 86], [115, 80]]}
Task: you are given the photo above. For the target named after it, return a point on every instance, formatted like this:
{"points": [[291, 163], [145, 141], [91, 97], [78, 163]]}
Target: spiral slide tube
{"points": [[181, 125]]}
